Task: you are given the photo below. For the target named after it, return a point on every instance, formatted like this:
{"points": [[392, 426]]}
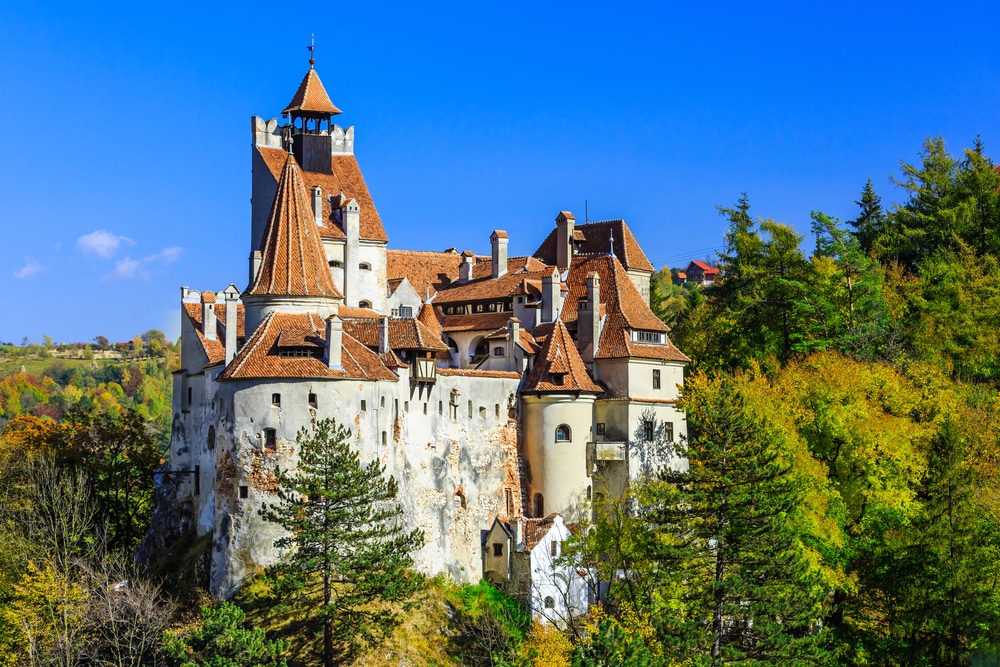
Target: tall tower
{"points": [[311, 114]]}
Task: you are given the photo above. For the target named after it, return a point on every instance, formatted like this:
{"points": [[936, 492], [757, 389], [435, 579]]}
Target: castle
{"points": [[491, 387]]}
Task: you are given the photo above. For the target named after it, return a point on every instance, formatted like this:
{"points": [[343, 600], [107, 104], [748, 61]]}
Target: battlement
{"points": [[270, 134]]}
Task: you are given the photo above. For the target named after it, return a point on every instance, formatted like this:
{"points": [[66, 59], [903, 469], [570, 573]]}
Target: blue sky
{"points": [[125, 167]]}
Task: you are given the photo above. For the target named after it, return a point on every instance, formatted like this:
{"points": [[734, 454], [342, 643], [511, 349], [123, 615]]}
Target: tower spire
{"points": [[312, 52]]}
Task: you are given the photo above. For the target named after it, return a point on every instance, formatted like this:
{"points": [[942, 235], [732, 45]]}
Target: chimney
{"points": [[513, 336], [184, 292], [498, 240], [350, 215], [232, 295], [255, 260], [317, 199], [588, 323], [383, 335], [551, 296], [465, 270], [565, 226], [334, 342], [208, 315]]}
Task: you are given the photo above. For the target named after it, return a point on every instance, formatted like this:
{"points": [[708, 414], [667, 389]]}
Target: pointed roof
{"points": [[429, 318], [311, 97], [294, 262], [595, 238], [558, 356]]}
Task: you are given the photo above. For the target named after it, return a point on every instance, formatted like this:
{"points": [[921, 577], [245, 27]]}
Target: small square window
{"points": [[312, 400], [276, 400], [497, 549], [244, 492], [600, 428]]}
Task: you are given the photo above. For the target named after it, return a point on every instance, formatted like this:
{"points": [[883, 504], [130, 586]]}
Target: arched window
{"points": [[563, 433], [539, 505], [498, 352], [365, 266], [549, 602], [364, 304]]}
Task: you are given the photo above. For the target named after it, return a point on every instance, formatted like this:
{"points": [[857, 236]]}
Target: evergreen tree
{"points": [[753, 597], [870, 223], [345, 527]]}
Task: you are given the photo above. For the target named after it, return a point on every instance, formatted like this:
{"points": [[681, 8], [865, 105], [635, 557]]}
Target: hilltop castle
{"points": [[490, 386]]}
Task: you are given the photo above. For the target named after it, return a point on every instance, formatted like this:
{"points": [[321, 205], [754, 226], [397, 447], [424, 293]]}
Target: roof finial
{"points": [[312, 52], [612, 251]]}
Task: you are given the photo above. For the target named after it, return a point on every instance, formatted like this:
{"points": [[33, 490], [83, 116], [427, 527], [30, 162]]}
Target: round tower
{"points": [[558, 401]]}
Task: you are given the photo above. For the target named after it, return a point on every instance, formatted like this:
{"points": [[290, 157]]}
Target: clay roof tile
{"points": [[311, 97], [559, 367]]}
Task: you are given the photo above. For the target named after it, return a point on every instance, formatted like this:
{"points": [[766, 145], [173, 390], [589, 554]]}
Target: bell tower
{"points": [[310, 115]]}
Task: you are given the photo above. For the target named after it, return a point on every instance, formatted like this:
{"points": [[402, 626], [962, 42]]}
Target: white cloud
{"points": [[101, 243], [130, 269], [30, 268]]}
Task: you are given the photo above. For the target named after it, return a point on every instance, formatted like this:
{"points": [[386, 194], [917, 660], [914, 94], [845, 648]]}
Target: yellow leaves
{"points": [[546, 647]]}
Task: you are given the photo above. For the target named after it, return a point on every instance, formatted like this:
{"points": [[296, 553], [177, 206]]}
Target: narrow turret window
{"points": [[312, 400], [656, 378], [276, 400], [563, 433]]}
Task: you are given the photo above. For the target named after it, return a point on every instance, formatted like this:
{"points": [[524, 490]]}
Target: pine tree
{"points": [[752, 596], [870, 223], [345, 527]]}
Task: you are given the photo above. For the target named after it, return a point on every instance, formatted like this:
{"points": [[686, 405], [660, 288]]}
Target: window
{"points": [[498, 352], [648, 337], [197, 480], [549, 602], [600, 428], [276, 400], [364, 304], [497, 549], [381, 402], [539, 505], [554, 548], [482, 412], [459, 499], [364, 405], [405, 311], [656, 378], [270, 439], [365, 266], [335, 264], [384, 438], [425, 408], [647, 430], [558, 379], [244, 492], [190, 399], [669, 428], [406, 406], [312, 400], [470, 409], [496, 408], [508, 497], [590, 492], [440, 407], [562, 433]]}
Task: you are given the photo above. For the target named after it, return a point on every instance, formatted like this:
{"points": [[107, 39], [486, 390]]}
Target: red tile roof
{"points": [[215, 350], [597, 238], [294, 262], [525, 339], [481, 322], [428, 316], [535, 530], [558, 356], [523, 277], [704, 267], [404, 334], [311, 97], [427, 271], [345, 178], [472, 372], [259, 357]]}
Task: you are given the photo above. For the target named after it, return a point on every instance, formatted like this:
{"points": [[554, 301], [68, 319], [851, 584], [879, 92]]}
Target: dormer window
{"points": [[558, 379], [648, 337]]}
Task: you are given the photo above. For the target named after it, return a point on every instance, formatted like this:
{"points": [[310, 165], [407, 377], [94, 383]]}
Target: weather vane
{"points": [[312, 51]]}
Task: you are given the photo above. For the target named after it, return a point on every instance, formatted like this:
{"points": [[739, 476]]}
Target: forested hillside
{"points": [[841, 504]]}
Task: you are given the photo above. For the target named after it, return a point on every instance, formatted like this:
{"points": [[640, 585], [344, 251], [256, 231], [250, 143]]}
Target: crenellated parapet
{"points": [[271, 134]]}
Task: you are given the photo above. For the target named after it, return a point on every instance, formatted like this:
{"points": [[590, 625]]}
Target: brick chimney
{"points": [[588, 327], [565, 226], [334, 342], [465, 270], [498, 241], [551, 296], [232, 326]]}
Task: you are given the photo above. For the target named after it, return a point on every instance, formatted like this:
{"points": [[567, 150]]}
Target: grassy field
{"points": [[37, 365]]}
